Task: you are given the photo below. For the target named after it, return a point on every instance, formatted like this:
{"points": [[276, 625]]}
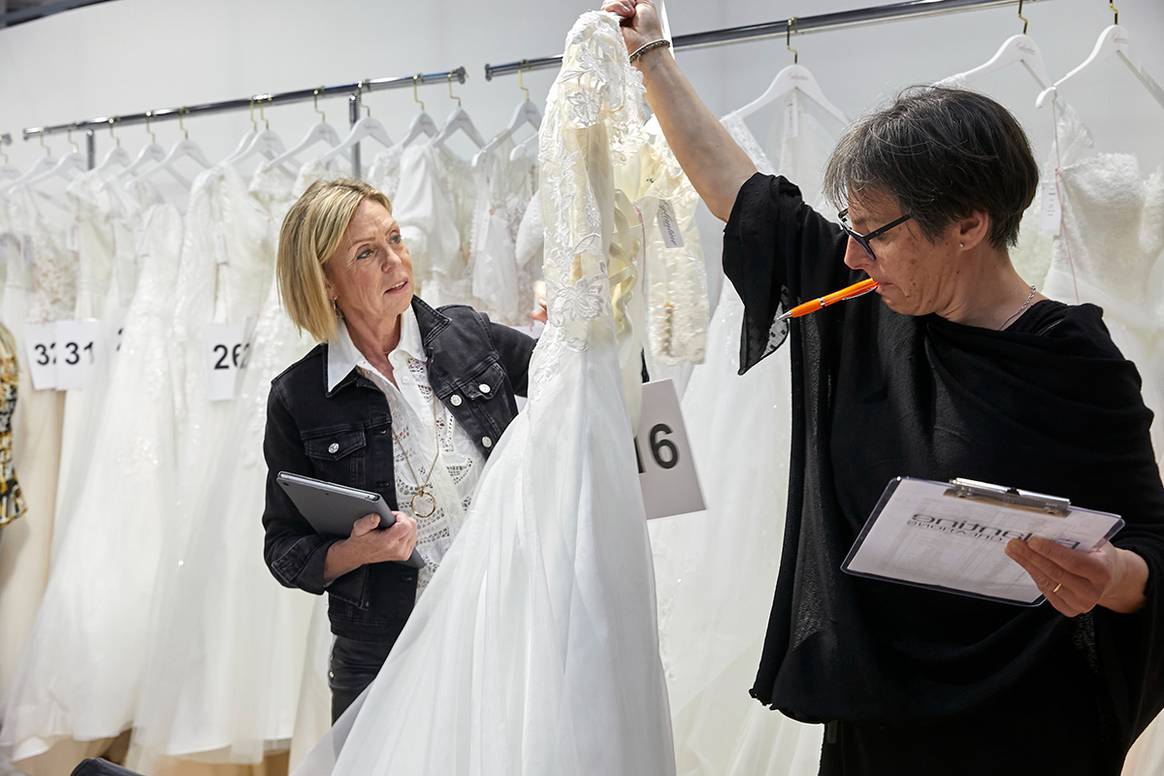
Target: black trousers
{"points": [[354, 664]]}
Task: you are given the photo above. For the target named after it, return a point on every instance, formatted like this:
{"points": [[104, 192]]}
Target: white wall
{"points": [[131, 55]]}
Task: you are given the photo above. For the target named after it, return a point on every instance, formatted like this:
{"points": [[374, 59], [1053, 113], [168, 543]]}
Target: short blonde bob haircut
{"points": [[311, 233]]}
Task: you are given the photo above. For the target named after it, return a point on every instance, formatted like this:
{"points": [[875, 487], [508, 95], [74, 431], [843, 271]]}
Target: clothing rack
{"points": [[784, 27], [353, 91]]}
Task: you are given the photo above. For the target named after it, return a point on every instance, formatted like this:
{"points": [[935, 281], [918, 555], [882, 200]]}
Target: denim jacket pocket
{"points": [[339, 456]]}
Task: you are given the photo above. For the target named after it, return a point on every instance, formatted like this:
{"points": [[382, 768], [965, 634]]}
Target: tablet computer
{"points": [[331, 509]]}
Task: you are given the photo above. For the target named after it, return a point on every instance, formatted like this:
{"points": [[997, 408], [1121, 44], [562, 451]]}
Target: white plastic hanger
{"points": [[265, 142], [1113, 41], [117, 156], [525, 113], [422, 125], [793, 79], [322, 132], [458, 121], [41, 165], [366, 128], [183, 149], [151, 153], [1017, 49], [68, 167]]}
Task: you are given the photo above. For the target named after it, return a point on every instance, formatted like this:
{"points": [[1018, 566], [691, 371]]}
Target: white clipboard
{"points": [[951, 536]]}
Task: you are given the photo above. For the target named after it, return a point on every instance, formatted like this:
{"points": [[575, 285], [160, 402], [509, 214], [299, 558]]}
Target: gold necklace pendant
{"points": [[422, 493]]}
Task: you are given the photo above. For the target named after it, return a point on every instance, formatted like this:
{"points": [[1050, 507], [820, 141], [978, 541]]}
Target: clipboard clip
{"points": [[1013, 497]]}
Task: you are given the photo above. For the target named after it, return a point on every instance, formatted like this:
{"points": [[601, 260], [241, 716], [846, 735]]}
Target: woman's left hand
{"points": [[1076, 581]]}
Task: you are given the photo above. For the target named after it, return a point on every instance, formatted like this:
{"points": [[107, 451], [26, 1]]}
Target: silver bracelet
{"points": [[654, 44]]}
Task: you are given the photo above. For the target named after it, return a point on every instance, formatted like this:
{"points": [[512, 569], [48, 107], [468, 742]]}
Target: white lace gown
{"points": [[434, 206], [106, 249], [1110, 251], [40, 286], [78, 678], [534, 649], [714, 597]]}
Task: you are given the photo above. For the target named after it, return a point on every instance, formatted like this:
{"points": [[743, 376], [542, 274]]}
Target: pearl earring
{"points": [[962, 245]]}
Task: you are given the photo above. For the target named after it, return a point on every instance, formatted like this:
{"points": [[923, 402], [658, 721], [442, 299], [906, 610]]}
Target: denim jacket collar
{"points": [[419, 327]]}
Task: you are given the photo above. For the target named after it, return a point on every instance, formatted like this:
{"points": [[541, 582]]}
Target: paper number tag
{"points": [[41, 339], [666, 468], [1050, 210], [669, 225], [80, 346], [226, 351]]}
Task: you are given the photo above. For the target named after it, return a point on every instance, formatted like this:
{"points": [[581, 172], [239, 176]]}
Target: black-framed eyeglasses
{"points": [[863, 239]]}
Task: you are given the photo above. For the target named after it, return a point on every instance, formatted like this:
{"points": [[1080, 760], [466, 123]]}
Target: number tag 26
{"points": [[227, 348]]}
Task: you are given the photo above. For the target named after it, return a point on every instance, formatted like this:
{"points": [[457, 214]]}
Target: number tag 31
{"points": [[666, 468], [226, 348]]}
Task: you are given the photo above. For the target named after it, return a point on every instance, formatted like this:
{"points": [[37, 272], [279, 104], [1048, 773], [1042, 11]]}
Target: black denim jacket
{"points": [[475, 367]]}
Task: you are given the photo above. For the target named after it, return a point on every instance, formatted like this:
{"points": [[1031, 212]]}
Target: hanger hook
{"points": [[788, 28], [182, 122], [360, 88], [315, 104], [1026, 22], [415, 93], [1115, 12], [69, 138], [451, 95], [521, 79], [149, 126], [112, 134], [251, 113]]}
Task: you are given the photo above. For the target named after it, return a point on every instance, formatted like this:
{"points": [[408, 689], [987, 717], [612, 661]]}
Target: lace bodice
{"points": [[384, 172], [50, 257]]}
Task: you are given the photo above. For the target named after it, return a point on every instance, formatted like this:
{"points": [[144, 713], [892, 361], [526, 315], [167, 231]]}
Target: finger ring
{"points": [[1056, 588]]}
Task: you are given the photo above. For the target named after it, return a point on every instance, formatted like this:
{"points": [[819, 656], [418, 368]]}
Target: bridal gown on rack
{"points": [[434, 206], [502, 284], [40, 286], [78, 678], [714, 597], [1110, 249], [533, 650], [228, 645], [106, 248]]}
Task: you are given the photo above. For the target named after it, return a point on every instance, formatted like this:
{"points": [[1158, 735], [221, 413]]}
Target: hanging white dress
{"points": [[534, 650], [714, 596], [78, 678], [106, 246], [502, 285], [227, 645], [1109, 250], [434, 206], [40, 286]]}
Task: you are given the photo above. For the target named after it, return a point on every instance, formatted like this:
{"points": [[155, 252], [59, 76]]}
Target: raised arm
{"points": [[716, 166]]}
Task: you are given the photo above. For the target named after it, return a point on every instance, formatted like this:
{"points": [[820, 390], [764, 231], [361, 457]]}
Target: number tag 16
{"points": [[666, 467]]}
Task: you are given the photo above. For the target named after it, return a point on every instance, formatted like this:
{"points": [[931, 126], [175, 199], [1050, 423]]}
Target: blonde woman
{"points": [[399, 398]]}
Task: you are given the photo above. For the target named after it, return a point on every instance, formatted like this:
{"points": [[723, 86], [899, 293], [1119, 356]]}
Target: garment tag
{"points": [[81, 345], [669, 225], [1050, 209], [226, 349], [791, 117], [666, 468], [41, 340]]}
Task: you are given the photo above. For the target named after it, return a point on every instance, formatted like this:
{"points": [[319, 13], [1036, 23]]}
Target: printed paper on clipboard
{"points": [[951, 536]]}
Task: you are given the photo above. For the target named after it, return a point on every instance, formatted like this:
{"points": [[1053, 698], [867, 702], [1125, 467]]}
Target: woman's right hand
{"points": [[367, 545], [640, 21], [374, 546]]}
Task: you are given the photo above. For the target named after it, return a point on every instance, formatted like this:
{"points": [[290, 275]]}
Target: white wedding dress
{"points": [[78, 678], [534, 649], [714, 596]]}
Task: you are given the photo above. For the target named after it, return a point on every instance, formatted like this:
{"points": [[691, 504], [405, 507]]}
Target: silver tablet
{"points": [[331, 509]]}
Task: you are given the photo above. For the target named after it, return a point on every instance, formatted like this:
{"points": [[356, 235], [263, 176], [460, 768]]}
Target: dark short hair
{"points": [[943, 153]]}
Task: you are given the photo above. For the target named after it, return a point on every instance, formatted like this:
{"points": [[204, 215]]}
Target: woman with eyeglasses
{"points": [[955, 368]]}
